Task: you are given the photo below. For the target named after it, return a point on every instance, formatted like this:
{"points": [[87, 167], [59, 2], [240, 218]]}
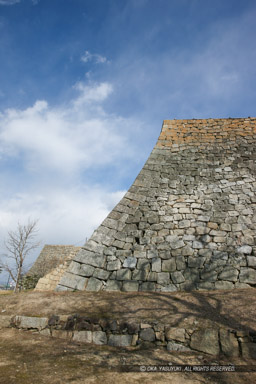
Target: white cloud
{"points": [[53, 164], [9, 2], [98, 59], [68, 138]]}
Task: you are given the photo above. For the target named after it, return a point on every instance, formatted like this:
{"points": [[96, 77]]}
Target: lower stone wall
{"points": [[213, 341]]}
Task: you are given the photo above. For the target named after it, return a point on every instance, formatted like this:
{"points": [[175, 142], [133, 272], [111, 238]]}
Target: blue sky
{"points": [[85, 86]]}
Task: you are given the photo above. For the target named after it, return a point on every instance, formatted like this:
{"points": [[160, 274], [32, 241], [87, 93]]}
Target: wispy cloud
{"points": [[98, 59], [9, 2]]}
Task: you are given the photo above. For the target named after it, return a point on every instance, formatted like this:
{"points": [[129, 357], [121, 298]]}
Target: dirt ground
{"points": [[28, 358], [233, 308]]}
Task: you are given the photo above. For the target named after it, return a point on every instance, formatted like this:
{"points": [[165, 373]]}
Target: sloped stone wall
{"points": [[51, 257], [188, 220], [50, 281]]}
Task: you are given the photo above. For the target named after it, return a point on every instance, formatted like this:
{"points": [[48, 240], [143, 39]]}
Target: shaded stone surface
{"points": [[205, 340]]}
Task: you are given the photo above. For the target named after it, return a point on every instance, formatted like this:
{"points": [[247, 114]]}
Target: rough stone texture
{"points": [[177, 334], [51, 264], [229, 343], [120, 340], [188, 220], [31, 322], [147, 334], [51, 257], [172, 346], [102, 331], [205, 340]]}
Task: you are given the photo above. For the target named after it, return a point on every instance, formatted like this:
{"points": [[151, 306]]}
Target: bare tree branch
{"points": [[18, 245]]}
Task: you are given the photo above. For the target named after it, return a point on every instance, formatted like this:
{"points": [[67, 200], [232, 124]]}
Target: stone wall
{"points": [[51, 257], [188, 220], [213, 341]]}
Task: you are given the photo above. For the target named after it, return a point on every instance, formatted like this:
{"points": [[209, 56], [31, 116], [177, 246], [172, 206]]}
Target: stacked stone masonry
{"points": [[188, 220], [117, 333], [54, 259]]}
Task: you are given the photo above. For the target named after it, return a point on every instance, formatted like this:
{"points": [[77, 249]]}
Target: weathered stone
{"points": [[130, 262], [130, 286], [177, 334], [81, 269], [113, 285], [205, 340], [93, 259], [169, 288], [28, 322], [99, 338], [187, 251], [177, 277], [156, 264], [247, 275], [123, 274], [147, 334], [251, 261], [172, 346], [73, 281], [169, 265], [209, 275], [229, 343], [163, 278], [83, 336], [197, 245], [101, 274], [148, 286], [229, 273], [120, 340], [196, 262], [94, 285], [246, 249], [175, 242], [180, 263], [224, 285], [114, 265]]}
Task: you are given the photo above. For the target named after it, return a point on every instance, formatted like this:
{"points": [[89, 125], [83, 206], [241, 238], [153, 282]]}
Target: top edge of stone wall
{"points": [[202, 132]]}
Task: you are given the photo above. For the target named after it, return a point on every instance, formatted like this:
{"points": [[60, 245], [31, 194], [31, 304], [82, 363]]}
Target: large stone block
{"points": [[163, 278], [156, 264], [229, 273], [147, 334], [169, 265], [120, 340], [94, 285], [123, 274], [130, 262], [247, 275], [99, 338], [178, 334], [73, 281], [28, 322], [229, 343], [130, 286], [101, 274], [83, 336], [205, 340], [177, 277], [175, 242], [113, 285]]}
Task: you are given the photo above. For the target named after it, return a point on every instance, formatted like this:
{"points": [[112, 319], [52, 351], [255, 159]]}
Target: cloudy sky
{"points": [[85, 86]]}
